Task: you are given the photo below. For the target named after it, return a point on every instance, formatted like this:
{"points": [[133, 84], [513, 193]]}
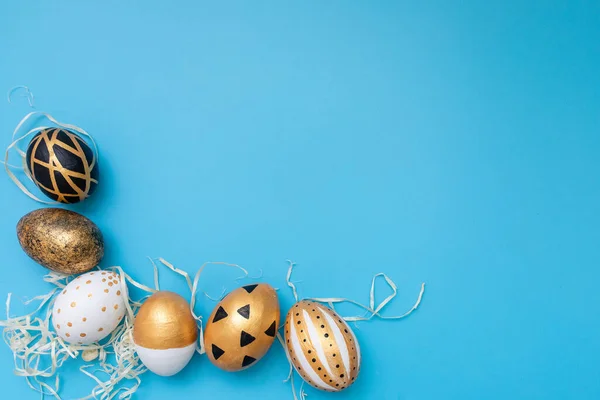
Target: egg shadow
{"points": [[201, 371], [99, 200], [99, 205]]}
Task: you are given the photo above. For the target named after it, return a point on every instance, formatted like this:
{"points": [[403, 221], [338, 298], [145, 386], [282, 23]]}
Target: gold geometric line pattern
{"points": [[66, 147], [50, 138], [52, 158], [60, 169], [33, 151], [86, 167]]}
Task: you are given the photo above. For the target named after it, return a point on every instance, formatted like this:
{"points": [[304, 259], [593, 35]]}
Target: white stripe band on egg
{"points": [[316, 342], [302, 359], [339, 338]]}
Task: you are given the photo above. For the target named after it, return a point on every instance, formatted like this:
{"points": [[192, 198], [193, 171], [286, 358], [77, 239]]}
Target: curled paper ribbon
{"points": [[34, 344], [17, 139], [27, 94], [289, 277], [302, 394], [372, 311], [216, 299], [193, 286]]}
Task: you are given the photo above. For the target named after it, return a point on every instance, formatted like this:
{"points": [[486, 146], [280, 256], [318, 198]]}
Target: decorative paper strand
{"points": [[217, 299], [27, 94], [128, 365], [193, 285], [289, 282], [290, 377], [371, 311], [39, 352], [32, 342]]}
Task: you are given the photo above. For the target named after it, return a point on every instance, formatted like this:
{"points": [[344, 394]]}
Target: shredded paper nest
{"points": [[39, 352], [112, 363]]}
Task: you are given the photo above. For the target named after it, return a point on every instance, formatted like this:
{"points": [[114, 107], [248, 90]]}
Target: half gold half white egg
{"points": [[165, 333]]}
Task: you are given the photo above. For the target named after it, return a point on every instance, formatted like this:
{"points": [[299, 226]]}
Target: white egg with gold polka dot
{"points": [[89, 308]]}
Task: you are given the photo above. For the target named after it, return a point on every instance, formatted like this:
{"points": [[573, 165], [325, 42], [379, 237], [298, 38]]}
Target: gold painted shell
{"points": [[61, 240], [321, 346], [165, 321], [242, 327]]}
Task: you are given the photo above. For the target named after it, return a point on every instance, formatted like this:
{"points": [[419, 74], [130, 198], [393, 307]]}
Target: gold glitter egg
{"points": [[87, 309], [321, 346], [61, 240], [165, 333], [242, 327]]}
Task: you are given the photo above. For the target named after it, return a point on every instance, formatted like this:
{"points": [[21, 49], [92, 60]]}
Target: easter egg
{"points": [[242, 327], [89, 308], [62, 165], [61, 240], [165, 333], [321, 346]]}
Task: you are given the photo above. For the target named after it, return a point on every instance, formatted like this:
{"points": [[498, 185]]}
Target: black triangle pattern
{"points": [[217, 351], [244, 311], [272, 330], [220, 314], [249, 288], [247, 361], [246, 339]]}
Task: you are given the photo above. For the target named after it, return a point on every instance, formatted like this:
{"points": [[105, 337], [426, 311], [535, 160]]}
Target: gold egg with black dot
{"points": [[62, 165], [322, 347]]}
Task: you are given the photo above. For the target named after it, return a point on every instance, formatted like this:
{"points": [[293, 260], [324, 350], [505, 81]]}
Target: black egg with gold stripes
{"points": [[62, 165]]}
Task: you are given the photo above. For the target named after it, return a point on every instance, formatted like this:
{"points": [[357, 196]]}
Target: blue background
{"points": [[455, 143]]}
